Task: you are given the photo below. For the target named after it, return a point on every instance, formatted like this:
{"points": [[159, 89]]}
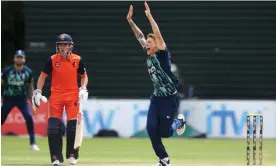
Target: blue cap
{"points": [[20, 53]]}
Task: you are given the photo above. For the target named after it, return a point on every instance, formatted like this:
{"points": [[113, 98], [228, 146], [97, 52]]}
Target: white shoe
{"points": [[72, 161], [164, 162], [34, 147], [56, 163], [180, 130]]}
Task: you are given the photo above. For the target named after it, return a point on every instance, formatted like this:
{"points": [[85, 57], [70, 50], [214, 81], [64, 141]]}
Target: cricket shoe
{"points": [[56, 163], [34, 147], [72, 161], [180, 130], [164, 162]]}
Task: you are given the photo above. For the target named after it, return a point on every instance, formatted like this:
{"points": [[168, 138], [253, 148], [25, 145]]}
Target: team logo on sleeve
{"points": [[152, 70], [57, 64]]}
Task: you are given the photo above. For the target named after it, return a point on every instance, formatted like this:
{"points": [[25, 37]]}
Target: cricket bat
{"points": [[79, 128]]}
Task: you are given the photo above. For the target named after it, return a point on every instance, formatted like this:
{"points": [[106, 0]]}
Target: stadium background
{"points": [[225, 51]]}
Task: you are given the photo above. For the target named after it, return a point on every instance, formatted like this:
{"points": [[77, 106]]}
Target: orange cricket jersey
{"points": [[64, 72]]}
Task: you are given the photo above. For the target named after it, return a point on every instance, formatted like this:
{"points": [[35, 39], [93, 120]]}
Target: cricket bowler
{"points": [[164, 101], [64, 67], [17, 84]]}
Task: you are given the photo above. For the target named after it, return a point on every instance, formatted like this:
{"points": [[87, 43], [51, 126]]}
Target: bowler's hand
{"points": [[147, 11], [130, 13]]}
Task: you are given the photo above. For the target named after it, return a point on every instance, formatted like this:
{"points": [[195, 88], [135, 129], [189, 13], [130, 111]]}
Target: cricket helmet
{"points": [[64, 39]]}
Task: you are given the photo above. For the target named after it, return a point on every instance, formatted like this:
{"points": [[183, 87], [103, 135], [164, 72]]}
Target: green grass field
{"points": [[138, 152]]}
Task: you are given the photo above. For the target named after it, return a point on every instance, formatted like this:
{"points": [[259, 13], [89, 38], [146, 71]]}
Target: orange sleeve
{"points": [[83, 75], [44, 74]]}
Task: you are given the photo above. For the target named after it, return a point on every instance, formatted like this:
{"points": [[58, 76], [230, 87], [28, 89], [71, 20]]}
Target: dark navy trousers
{"points": [[24, 108], [160, 118]]}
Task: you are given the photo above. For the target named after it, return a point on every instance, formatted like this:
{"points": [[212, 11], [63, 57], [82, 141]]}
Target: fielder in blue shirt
{"points": [[17, 86], [164, 100]]}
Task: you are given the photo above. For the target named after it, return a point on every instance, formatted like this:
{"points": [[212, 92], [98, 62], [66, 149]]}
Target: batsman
{"points": [[64, 67]]}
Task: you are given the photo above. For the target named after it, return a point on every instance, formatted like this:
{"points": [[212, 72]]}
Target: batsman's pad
{"points": [[55, 139], [79, 128], [70, 136]]}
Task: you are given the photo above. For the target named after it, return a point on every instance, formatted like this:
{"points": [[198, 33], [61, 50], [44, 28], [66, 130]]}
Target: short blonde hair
{"points": [[151, 35]]}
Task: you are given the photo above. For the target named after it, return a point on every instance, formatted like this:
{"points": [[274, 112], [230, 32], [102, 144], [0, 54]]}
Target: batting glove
{"points": [[37, 96], [83, 93]]}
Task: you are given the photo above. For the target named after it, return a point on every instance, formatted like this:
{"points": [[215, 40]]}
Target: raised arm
{"points": [[158, 37], [138, 33]]}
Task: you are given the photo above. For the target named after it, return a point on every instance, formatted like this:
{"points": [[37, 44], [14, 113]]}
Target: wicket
{"points": [[254, 139]]}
